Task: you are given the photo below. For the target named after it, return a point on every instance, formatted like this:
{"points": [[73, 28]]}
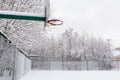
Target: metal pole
{"points": [[13, 75], [109, 46]]}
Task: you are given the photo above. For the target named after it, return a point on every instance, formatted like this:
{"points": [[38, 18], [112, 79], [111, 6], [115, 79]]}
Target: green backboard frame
{"points": [[21, 17]]}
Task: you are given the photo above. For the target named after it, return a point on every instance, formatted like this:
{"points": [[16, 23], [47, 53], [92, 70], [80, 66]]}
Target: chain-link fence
{"points": [[76, 65]]}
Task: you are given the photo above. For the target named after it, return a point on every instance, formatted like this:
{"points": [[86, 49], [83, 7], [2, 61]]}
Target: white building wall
{"points": [[22, 65]]}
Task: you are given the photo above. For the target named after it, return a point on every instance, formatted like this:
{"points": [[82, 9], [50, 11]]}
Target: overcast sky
{"points": [[100, 17]]}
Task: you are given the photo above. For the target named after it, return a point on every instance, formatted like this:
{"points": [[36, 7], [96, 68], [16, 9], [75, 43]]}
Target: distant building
{"points": [[117, 54], [118, 49]]}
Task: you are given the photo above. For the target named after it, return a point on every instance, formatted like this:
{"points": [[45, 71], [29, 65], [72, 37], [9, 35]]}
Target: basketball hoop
{"points": [[54, 22]]}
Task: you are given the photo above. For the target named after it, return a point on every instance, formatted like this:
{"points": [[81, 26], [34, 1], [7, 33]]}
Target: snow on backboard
{"points": [[27, 15]]}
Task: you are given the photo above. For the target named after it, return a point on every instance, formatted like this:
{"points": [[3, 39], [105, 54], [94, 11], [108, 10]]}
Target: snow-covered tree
{"points": [[22, 32], [71, 46]]}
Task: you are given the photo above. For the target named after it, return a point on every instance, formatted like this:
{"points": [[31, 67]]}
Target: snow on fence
{"points": [[116, 64], [76, 65]]}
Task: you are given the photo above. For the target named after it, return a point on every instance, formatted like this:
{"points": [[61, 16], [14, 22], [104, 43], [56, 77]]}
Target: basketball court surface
{"points": [[72, 75]]}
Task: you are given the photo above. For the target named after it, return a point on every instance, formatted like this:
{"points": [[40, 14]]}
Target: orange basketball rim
{"points": [[54, 22]]}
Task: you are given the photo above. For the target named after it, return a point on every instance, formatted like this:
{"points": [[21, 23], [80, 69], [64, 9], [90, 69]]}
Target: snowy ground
{"points": [[72, 75]]}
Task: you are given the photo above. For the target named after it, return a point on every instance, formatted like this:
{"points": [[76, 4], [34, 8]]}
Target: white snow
{"points": [[20, 13], [72, 75]]}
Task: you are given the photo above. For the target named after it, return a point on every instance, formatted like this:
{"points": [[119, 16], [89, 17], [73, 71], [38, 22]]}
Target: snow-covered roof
{"points": [[1, 34]]}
